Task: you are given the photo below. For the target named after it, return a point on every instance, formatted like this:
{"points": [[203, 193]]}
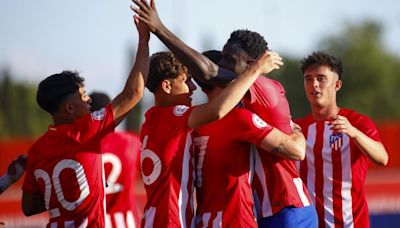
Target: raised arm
{"points": [[134, 86], [231, 95], [201, 67]]}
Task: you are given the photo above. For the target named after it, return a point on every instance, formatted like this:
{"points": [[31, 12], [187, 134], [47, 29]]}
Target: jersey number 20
{"points": [[55, 178]]}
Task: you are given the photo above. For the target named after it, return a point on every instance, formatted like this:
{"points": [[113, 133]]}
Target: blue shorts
{"points": [[289, 217]]}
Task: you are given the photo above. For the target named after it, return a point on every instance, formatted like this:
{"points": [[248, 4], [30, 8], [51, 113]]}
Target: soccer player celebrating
{"points": [[339, 143], [120, 153], [166, 157], [64, 169], [280, 192], [224, 159]]}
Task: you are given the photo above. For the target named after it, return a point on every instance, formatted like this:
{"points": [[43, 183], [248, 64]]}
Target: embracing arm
{"points": [[200, 66], [291, 146], [231, 95], [134, 86]]}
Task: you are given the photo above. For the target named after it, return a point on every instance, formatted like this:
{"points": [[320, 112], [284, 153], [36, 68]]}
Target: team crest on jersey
{"points": [[258, 121], [336, 141], [179, 110], [99, 114]]}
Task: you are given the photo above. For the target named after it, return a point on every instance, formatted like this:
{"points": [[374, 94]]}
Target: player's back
{"points": [[65, 166], [166, 165], [120, 157], [223, 162], [276, 180], [68, 175]]}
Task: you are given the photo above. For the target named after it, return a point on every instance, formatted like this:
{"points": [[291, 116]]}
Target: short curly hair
{"points": [[163, 65], [322, 58], [54, 89], [252, 42]]}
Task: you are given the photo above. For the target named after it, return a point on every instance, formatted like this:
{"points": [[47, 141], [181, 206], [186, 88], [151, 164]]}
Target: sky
{"points": [[43, 37]]}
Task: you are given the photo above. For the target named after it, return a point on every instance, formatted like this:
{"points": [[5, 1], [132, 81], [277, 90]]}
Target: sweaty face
{"points": [[182, 88], [321, 85], [79, 103], [234, 58]]}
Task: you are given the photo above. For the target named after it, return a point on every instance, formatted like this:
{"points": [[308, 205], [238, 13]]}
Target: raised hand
{"points": [[143, 30], [268, 61], [148, 14]]}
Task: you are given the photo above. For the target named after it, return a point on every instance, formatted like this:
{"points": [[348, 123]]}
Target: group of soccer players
{"points": [[236, 161]]}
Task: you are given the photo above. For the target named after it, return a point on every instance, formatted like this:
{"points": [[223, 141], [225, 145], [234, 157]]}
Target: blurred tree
{"points": [[19, 113], [371, 73]]}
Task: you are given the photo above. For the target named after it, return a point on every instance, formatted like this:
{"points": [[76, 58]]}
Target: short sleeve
{"points": [[249, 127], [95, 125], [181, 113], [367, 126]]}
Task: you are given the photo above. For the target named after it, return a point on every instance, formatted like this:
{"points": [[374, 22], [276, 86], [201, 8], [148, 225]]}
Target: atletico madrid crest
{"points": [[336, 141]]}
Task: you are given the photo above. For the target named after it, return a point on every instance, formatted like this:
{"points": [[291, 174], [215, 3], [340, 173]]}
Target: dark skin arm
{"points": [[32, 204], [200, 66]]}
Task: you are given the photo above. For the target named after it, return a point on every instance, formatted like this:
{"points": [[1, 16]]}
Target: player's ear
{"points": [[69, 108], [338, 85], [166, 86]]}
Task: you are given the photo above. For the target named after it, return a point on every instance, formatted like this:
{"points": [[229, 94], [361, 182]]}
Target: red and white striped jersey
{"points": [[167, 167], [335, 169], [121, 161], [65, 166], [276, 182], [223, 161]]}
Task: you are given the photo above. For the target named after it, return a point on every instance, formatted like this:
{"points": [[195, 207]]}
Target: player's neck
{"points": [[324, 113], [60, 120], [164, 101]]}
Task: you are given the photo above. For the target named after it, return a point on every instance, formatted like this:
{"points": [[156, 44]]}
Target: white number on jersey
{"points": [[82, 182], [202, 143], [155, 173], [116, 167]]}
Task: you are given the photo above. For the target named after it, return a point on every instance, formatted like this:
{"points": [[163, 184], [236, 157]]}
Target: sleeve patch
{"points": [[99, 114], [258, 122], [179, 110]]}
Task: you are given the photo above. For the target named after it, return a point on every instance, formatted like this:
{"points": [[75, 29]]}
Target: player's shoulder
{"points": [[245, 116], [180, 110], [354, 116], [177, 110], [265, 82], [98, 114], [42, 142], [305, 120], [358, 120]]}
